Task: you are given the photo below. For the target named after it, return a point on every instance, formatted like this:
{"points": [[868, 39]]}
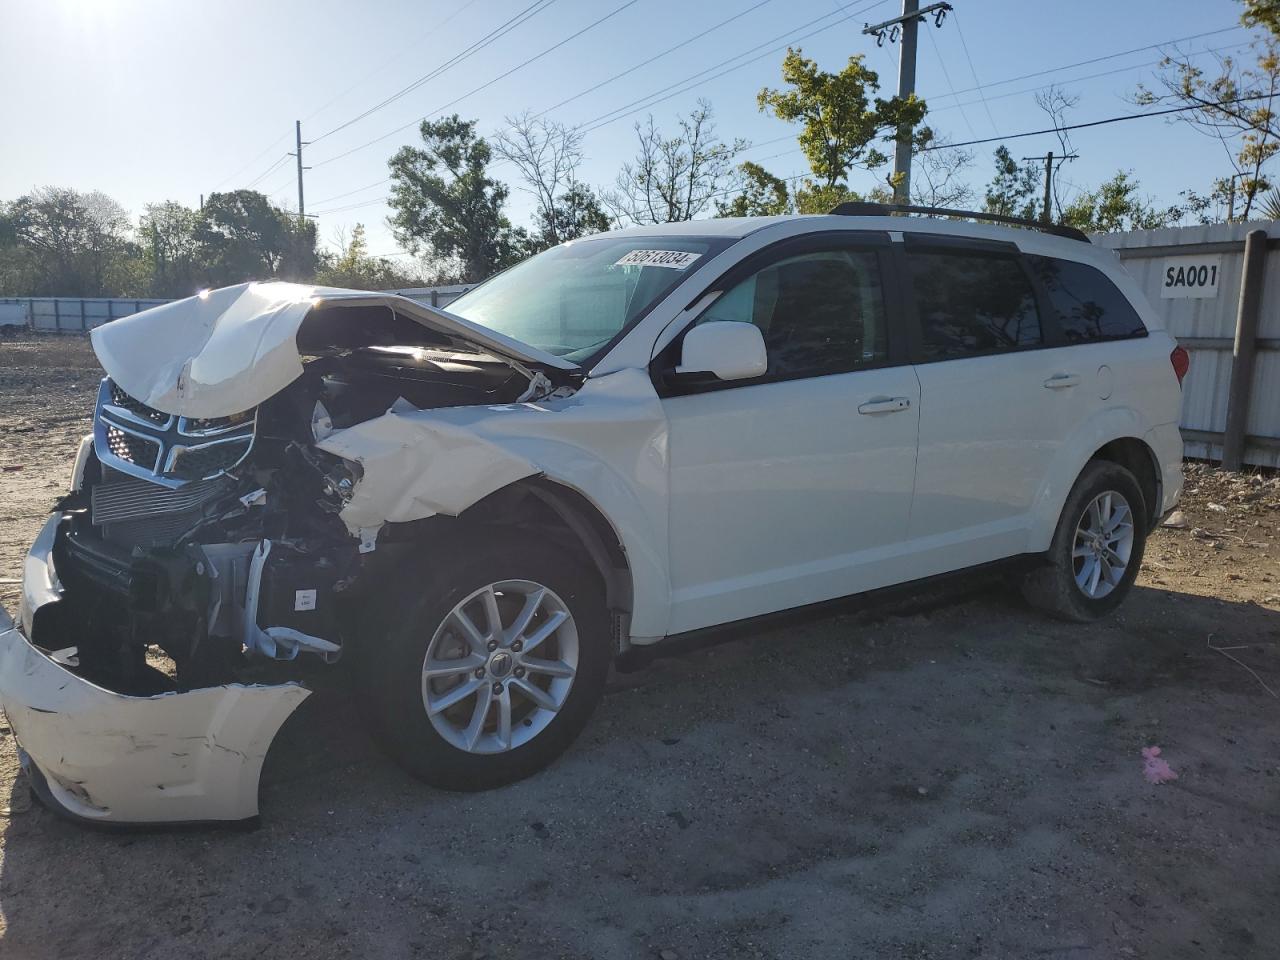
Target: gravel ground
{"points": [[957, 777]]}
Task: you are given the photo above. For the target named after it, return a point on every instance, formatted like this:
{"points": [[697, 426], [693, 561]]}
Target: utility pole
{"points": [[906, 87], [1046, 214], [906, 28], [297, 126]]}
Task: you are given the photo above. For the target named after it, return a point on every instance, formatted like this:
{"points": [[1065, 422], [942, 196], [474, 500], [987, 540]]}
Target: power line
{"points": [[367, 186], [653, 98], [1098, 123], [327, 103], [351, 206], [970, 143], [251, 163], [656, 56], [973, 73], [264, 174], [1089, 76], [497, 33], [502, 76], [1085, 63], [843, 13], [415, 45], [937, 51]]}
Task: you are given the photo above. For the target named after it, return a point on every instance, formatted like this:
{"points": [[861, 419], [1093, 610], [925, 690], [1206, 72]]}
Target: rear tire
{"points": [[467, 703], [1097, 547]]}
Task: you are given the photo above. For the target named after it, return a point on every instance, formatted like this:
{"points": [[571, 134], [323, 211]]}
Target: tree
{"points": [[1262, 13], [353, 267], [577, 213], [675, 178], [242, 236], [763, 194], [1116, 206], [168, 236], [1234, 104], [841, 122], [547, 155], [71, 244], [939, 179], [1055, 101], [1012, 191], [448, 206]]}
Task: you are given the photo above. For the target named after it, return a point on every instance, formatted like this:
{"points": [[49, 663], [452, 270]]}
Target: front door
{"points": [[787, 489]]}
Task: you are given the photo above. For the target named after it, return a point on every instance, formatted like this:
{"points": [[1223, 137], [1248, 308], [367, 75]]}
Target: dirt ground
{"points": [[958, 777]]}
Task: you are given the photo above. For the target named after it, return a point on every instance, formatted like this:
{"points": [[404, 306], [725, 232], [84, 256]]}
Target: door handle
{"points": [[885, 405], [1060, 381]]}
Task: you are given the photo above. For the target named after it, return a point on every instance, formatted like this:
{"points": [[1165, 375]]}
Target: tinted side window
{"points": [[820, 312], [1089, 306], [972, 303]]}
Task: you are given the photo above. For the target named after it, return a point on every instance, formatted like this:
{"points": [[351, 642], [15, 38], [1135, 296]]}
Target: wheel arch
{"points": [[1139, 459], [552, 509], [1114, 435]]}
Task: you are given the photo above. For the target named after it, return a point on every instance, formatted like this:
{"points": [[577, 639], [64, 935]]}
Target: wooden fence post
{"points": [[1245, 351]]}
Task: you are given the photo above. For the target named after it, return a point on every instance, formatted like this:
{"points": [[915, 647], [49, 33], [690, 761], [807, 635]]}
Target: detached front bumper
{"points": [[105, 757]]}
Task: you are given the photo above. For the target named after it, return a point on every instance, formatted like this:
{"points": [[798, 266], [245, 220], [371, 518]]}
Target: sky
{"points": [[152, 100]]}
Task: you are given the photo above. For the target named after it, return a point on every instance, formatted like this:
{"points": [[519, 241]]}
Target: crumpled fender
{"points": [[608, 441]]}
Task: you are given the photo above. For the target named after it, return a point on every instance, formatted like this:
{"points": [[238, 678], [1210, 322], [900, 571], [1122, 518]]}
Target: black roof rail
{"points": [[867, 209]]}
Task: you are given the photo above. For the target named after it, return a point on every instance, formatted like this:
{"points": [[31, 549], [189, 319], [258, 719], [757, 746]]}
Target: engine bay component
{"points": [[290, 604]]}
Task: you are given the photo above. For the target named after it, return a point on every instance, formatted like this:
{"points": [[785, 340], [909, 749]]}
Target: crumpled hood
{"points": [[225, 351]]}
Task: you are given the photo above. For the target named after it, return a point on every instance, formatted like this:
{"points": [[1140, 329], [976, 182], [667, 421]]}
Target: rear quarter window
{"points": [[972, 303], [1090, 308]]}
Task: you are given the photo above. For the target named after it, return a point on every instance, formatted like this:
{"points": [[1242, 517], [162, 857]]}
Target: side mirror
{"points": [[726, 349]]}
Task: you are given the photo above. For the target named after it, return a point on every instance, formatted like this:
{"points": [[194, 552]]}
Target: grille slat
{"points": [[132, 448], [139, 409]]}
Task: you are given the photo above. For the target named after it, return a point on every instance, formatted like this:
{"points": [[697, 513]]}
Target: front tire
{"points": [[1097, 547], [488, 669]]}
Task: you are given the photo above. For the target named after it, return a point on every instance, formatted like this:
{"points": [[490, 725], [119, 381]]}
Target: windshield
{"points": [[573, 299]]}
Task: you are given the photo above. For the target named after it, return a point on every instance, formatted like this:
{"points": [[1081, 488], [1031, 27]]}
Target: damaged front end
{"points": [[204, 537]]}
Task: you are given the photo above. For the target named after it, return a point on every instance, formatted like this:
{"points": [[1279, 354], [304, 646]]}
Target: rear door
{"points": [[999, 397], [790, 488]]}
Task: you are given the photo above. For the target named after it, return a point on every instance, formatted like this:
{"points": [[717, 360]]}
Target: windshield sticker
{"points": [[674, 259]]}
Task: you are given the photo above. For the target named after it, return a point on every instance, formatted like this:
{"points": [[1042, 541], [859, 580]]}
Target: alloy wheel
{"points": [[1103, 545], [500, 666]]}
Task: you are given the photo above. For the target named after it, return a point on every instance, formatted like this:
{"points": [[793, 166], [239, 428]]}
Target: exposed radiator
{"points": [[136, 512]]}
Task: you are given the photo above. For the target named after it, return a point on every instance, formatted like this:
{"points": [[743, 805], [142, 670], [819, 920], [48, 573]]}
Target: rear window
{"points": [[972, 303], [1089, 306]]}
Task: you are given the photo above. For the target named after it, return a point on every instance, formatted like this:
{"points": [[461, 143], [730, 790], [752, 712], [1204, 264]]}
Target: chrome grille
{"points": [[143, 442]]}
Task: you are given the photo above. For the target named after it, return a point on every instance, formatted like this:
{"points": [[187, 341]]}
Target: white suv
{"points": [[629, 437]]}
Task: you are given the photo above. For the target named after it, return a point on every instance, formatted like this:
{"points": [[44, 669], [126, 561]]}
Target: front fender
{"points": [[608, 441]]}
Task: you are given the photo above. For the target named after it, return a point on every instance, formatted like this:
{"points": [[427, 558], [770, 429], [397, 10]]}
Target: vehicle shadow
{"points": [[942, 774]]}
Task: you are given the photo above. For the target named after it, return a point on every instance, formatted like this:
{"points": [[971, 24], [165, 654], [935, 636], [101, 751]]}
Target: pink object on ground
{"points": [[1154, 767]]}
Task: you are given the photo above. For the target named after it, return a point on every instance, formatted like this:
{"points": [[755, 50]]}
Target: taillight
{"points": [[1181, 361]]}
